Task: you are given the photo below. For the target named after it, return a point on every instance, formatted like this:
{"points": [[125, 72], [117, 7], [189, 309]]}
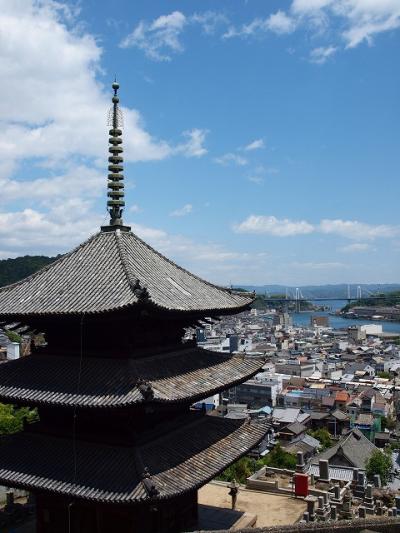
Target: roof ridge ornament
{"points": [[115, 185]]}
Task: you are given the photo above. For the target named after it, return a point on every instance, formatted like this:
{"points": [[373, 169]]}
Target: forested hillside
{"points": [[12, 270]]}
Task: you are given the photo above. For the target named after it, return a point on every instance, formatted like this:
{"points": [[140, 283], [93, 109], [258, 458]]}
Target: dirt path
{"points": [[271, 509]]}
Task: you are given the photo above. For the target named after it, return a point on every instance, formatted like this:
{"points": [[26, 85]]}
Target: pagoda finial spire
{"points": [[115, 203]]}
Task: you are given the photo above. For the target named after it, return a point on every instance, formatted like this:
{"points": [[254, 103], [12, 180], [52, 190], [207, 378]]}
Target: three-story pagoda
{"points": [[117, 447]]}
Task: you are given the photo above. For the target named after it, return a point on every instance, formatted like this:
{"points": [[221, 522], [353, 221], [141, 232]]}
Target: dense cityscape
{"points": [[331, 398]]}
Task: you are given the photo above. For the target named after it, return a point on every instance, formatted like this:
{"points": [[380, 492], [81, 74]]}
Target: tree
{"points": [[13, 336], [12, 418], [388, 422], [323, 436], [279, 458], [379, 463], [12, 270], [384, 375], [240, 471]]}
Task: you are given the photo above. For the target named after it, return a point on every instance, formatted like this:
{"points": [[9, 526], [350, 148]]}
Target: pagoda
{"points": [[117, 447]]}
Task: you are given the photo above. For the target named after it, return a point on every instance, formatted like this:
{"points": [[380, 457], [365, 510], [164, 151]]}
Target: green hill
{"points": [[389, 299], [12, 270]]}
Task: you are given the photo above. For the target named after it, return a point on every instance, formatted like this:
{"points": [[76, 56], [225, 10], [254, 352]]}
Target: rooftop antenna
{"points": [[115, 185]]}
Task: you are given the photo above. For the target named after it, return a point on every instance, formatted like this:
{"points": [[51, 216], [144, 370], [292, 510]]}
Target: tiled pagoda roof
{"points": [[184, 375], [181, 460], [111, 271]]}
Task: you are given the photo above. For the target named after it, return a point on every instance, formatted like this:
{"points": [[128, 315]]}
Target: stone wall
{"points": [[379, 525]]}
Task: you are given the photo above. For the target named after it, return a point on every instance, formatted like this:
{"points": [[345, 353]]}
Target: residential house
{"points": [[352, 450]]}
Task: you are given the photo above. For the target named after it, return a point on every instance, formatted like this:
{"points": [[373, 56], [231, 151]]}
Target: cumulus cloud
{"points": [[231, 159], [50, 232], [56, 108], [88, 181], [270, 225], [53, 118], [185, 210]]}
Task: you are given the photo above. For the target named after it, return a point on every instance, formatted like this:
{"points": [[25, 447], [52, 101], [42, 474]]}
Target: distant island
{"points": [[384, 307], [325, 291]]}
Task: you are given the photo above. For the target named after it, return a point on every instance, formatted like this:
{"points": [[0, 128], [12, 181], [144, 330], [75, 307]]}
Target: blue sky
{"points": [[261, 137]]}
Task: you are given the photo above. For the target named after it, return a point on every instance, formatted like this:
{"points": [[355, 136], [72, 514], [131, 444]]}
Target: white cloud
{"points": [[89, 182], [356, 247], [279, 23], [231, 158], [53, 232], [209, 260], [304, 6], [135, 208], [358, 20], [209, 20], [185, 210], [193, 147], [159, 38], [322, 54], [254, 145], [319, 266], [270, 225], [350, 22], [352, 229], [55, 108], [254, 178], [53, 119]]}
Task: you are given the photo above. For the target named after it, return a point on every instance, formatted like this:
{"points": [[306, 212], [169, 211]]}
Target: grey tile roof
{"points": [[354, 446], [339, 415], [181, 460], [296, 428], [186, 374], [110, 271]]}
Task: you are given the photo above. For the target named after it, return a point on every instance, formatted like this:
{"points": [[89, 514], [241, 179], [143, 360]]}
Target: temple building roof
{"points": [[165, 466], [111, 271], [114, 269], [189, 374]]}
